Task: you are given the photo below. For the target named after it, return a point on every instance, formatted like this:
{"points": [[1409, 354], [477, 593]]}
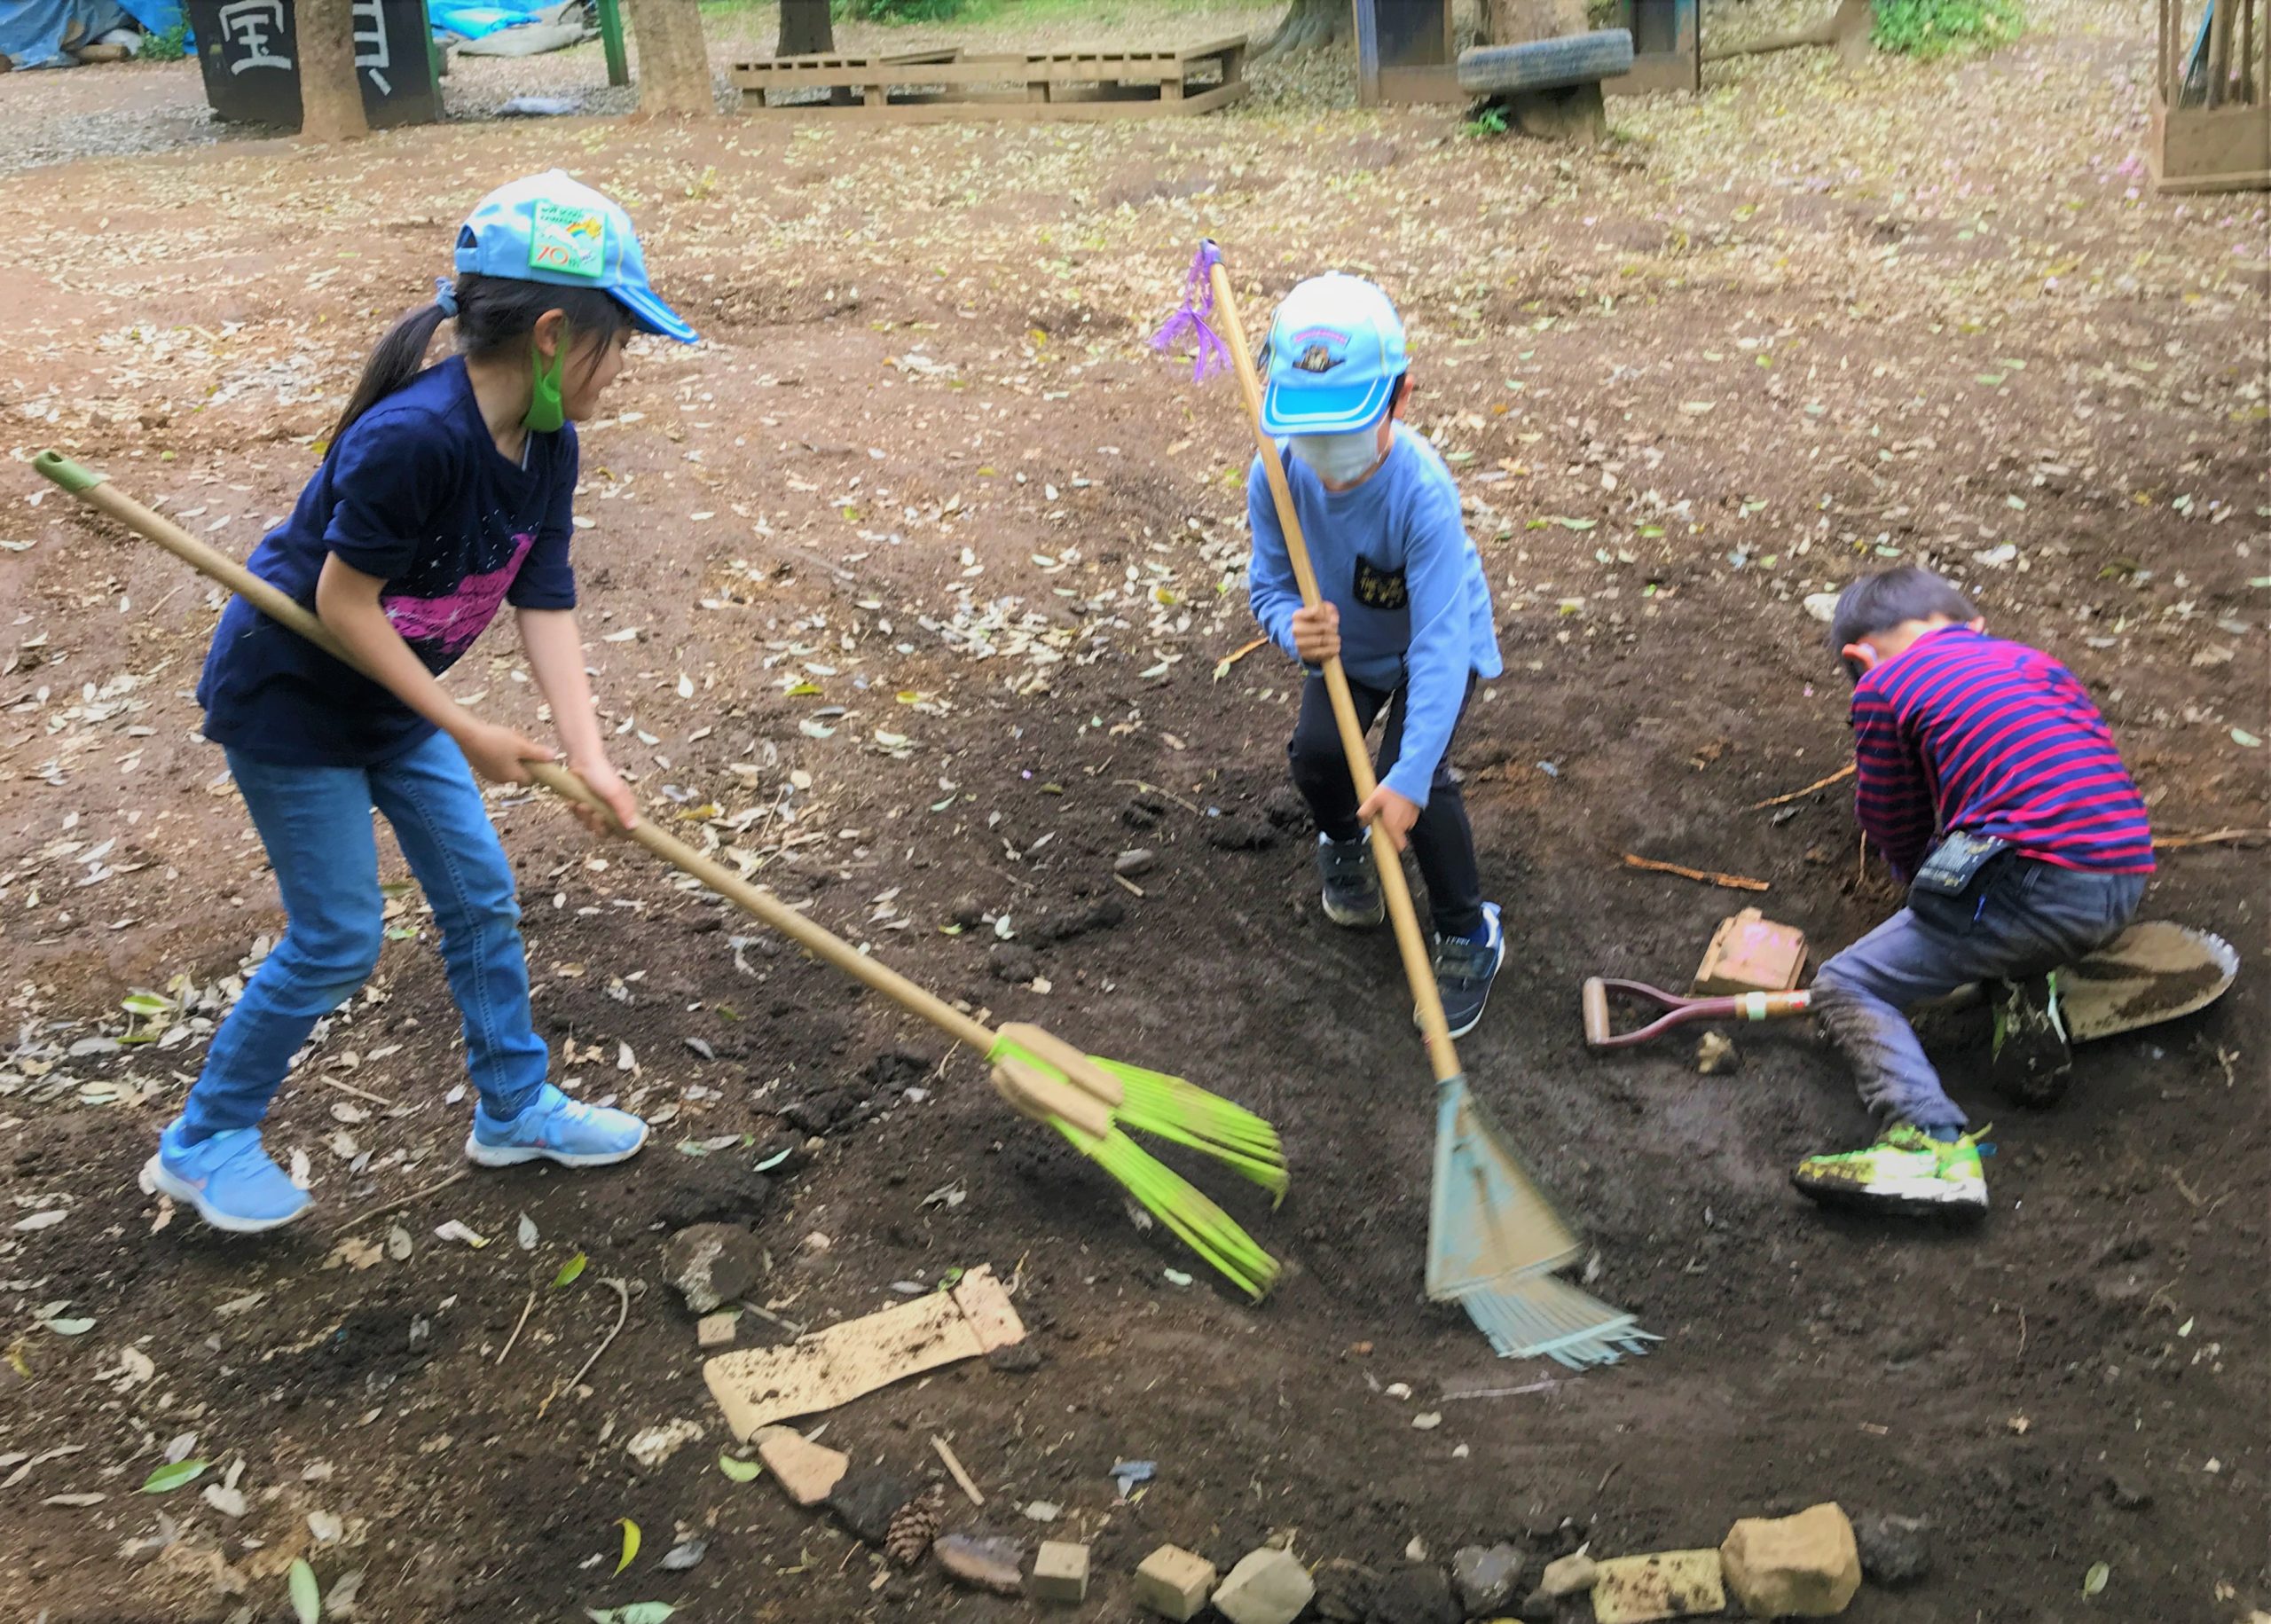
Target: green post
{"points": [[619, 65], [437, 60]]}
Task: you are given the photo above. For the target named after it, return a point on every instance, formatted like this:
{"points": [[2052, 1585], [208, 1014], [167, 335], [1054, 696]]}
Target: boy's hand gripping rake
{"points": [[1493, 1236], [1093, 1102]]}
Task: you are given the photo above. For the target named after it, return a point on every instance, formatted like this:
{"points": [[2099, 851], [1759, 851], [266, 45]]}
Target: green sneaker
{"points": [[1907, 1171], [2032, 1058]]}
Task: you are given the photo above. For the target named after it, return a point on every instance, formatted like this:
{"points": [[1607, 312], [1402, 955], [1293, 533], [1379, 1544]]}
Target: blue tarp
{"points": [[32, 32], [155, 16], [474, 22]]}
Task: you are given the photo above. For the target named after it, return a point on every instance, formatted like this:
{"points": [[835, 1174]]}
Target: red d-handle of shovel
{"points": [[1678, 1011]]}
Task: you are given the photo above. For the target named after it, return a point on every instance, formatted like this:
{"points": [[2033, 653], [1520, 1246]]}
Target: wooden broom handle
{"points": [[280, 607], [1409, 941]]}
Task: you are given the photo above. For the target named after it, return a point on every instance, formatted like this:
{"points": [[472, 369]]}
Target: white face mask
{"points": [[1339, 460]]}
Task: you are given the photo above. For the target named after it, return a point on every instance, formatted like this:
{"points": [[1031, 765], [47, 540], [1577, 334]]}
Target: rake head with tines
{"points": [[1049, 1080]]}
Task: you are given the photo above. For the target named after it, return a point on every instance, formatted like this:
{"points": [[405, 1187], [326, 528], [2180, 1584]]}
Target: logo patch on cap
{"points": [[568, 240], [1318, 358]]}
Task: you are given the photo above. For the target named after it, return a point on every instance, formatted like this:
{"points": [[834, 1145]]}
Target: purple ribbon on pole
{"points": [[1191, 321]]}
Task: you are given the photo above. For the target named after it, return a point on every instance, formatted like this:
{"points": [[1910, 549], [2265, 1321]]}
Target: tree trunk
{"points": [[673, 59], [1517, 22], [806, 29], [1311, 22], [331, 92]]}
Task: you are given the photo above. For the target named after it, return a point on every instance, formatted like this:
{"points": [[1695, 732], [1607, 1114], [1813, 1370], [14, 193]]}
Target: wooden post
{"points": [[618, 60], [331, 88]]}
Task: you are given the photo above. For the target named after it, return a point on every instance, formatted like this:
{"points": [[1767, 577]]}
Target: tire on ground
{"points": [[1546, 65]]}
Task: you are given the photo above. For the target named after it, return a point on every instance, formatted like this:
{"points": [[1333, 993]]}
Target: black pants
{"points": [[1440, 840]]}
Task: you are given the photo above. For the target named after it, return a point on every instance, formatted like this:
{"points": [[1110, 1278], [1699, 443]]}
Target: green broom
{"points": [[1093, 1102]]}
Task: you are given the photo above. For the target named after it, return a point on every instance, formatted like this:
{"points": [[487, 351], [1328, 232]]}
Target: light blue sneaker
{"points": [[555, 1129], [228, 1178]]}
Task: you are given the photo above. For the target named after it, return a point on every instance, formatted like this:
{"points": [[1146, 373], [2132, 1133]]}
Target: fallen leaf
{"points": [[167, 1478], [455, 1230], [2094, 1580], [568, 1271], [738, 1469], [527, 1233], [630, 1543], [40, 1220], [307, 1597]]}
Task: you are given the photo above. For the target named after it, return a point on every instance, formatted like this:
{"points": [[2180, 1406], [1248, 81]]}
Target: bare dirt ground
{"points": [[909, 586]]}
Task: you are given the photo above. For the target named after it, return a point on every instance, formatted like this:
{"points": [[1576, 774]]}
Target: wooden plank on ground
{"points": [[756, 1387]]}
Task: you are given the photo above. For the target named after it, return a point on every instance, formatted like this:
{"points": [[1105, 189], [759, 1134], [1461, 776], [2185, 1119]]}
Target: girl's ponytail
{"points": [[399, 358]]}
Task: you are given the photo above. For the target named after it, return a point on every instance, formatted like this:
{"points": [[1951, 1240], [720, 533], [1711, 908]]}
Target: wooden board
{"points": [[758, 1386], [2221, 149], [940, 86], [1007, 109]]}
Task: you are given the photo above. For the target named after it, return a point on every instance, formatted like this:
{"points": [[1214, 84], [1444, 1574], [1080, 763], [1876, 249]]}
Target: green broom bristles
{"points": [[1171, 1109], [1201, 1225]]}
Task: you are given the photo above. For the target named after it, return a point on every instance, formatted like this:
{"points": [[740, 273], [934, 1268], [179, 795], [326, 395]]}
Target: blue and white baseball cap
{"points": [[1335, 350], [553, 228]]}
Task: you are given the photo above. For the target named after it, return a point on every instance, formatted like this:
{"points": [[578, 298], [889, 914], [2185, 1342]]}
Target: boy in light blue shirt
{"points": [[1406, 608]]}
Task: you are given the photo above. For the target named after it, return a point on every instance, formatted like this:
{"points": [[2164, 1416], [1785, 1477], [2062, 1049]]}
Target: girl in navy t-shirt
{"points": [[445, 495]]}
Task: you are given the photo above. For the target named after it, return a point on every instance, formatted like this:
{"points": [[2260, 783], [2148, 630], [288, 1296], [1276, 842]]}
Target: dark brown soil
{"points": [[2080, 1379]]}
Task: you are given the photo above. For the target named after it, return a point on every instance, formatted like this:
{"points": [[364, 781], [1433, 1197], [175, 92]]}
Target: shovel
{"points": [[2154, 971], [1494, 1237], [1090, 1100]]}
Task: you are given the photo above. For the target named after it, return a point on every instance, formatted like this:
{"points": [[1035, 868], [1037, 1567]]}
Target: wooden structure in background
{"points": [[1667, 47], [947, 85], [2212, 97], [1407, 53]]}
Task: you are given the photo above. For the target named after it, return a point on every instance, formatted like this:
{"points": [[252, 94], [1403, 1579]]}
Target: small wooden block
{"points": [[715, 1331], [1060, 1573], [1671, 1584], [1751, 954]]}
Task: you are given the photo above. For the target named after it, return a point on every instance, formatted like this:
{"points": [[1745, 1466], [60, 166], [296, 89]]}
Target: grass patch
{"points": [[168, 46], [1929, 28]]}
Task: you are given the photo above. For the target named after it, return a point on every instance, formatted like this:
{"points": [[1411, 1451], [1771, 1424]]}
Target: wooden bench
{"points": [[948, 84]]}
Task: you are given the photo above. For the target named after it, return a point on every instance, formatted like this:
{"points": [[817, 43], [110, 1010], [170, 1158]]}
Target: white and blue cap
{"points": [[553, 228], [1335, 350]]}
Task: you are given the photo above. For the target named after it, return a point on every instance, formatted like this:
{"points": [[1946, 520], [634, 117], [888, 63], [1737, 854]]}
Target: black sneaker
{"points": [[1464, 970], [1352, 884], [2032, 1059]]}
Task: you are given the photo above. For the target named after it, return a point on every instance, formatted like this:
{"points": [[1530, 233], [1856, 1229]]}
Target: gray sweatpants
{"points": [[2020, 917]]}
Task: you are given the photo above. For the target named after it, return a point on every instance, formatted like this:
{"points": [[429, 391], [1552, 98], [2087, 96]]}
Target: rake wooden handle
{"points": [[94, 491], [1409, 942]]}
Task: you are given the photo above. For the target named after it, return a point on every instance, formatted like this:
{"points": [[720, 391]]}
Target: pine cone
{"points": [[915, 1525]]}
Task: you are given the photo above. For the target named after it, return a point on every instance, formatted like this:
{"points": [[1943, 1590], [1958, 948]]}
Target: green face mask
{"points": [[546, 412]]}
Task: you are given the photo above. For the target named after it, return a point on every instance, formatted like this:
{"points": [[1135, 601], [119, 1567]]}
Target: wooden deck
{"points": [[949, 85]]}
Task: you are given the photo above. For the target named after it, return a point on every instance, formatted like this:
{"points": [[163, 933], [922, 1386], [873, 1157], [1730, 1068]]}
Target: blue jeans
{"points": [[2019, 918], [316, 824]]}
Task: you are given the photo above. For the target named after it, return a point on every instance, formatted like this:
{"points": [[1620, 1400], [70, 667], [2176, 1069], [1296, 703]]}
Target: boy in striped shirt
{"points": [[1990, 785]]}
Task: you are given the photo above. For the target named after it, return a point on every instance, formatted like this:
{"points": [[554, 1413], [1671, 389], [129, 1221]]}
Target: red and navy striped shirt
{"points": [[1964, 731]]}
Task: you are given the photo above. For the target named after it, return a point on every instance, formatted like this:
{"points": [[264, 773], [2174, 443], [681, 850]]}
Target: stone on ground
{"points": [[983, 1563], [1419, 1594], [1173, 1583], [1060, 1572], [1485, 1577], [1805, 1567], [1568, 1576], [1268, 1586], [865, 1502], [1893, 1550], [710, 1264]]}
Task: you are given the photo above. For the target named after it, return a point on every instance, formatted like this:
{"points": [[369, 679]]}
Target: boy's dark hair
{"points": [[494, 313], [1881, 602]]}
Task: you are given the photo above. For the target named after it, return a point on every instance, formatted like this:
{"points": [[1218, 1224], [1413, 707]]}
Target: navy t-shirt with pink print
{"points": [[416, 493]]}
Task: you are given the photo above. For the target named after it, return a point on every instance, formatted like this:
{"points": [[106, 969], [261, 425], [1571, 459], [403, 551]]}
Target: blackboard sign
{"points": [[249, 51]]}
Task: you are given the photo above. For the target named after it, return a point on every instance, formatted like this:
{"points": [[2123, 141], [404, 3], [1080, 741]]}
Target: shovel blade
{"points": [[1489, 1223], [2154, 971]]}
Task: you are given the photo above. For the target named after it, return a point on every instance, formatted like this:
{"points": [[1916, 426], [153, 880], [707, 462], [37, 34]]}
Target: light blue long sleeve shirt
{"points": [[1393, 555]]}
